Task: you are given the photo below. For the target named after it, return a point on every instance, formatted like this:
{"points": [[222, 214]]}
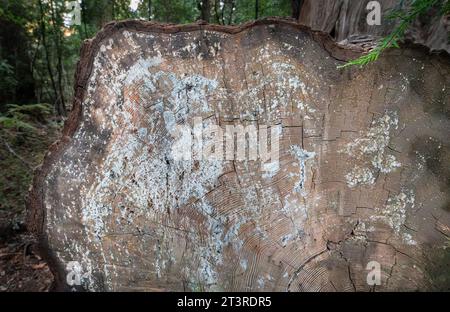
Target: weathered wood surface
{"points": [[347, 18], [363, 165]]}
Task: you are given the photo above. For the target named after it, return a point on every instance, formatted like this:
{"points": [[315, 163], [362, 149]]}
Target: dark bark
{"points": [[219, 12], [83, 17], [47, 54], [149, 3], [205, 10], [230, 16], [61, 106], [296, 8]]}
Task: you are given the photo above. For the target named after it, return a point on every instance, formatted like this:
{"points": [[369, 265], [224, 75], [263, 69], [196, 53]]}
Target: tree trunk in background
{"points": [[17, 85], [48, 61], [347, 18], [362, 172], [217, 10], [205, 10], [61, 103], [296, 6], [149, 10], [83, 16], [230, 15], [113, 10]]}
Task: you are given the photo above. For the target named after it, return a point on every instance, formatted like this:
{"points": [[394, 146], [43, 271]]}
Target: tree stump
{"points": [[326, 176]]}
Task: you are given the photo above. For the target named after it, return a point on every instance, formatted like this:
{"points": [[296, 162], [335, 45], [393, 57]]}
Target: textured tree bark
{"points": [[362, 175], [346, 19]]}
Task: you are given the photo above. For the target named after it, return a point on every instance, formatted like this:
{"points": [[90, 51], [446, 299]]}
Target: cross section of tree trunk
{"points": [[352, 177]]}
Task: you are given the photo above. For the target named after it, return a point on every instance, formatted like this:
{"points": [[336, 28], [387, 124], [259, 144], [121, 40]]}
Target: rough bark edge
{"points": [[35, 198]]}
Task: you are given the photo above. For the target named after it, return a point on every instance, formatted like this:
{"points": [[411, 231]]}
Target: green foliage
{"points": [[23, 143], [13, 122], [417, 8], [245, 10], [445, 8], [21, 117], [170, 11], [37, 112], [8, 80], [15, 11], [14, 181]]}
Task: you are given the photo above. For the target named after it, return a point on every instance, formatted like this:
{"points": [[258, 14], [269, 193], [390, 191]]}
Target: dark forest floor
{"points": [[22, 150]]}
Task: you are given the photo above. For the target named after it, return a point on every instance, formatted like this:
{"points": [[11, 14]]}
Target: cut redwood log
{"points": [[147, 190]]}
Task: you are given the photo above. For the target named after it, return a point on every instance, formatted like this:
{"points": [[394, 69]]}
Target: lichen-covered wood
{"points": [[363, 165]]}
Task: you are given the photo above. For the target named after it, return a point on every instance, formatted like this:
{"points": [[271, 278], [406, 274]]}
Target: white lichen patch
{"points": [[359, 176], [151, 177], [395, 210], [395, 213], [210, 249], [294, 208], [302, 157], [275, 85], [370, 152]]}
